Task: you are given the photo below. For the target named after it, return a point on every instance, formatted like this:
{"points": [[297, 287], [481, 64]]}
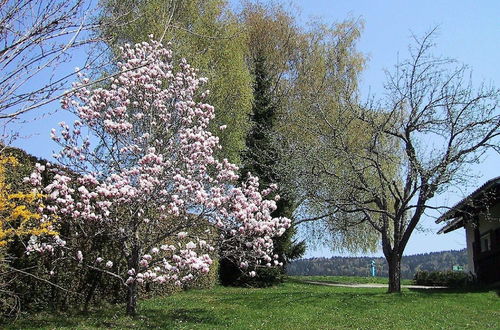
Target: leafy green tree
{"points": [[312, 71], [318, 82], [305, 74], [272, 41], [208, 35], [262, 157]]}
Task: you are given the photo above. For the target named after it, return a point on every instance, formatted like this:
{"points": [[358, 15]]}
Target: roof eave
{"points": [[468, 201], [454, 225]]}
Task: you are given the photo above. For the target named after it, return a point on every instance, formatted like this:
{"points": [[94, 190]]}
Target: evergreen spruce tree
{"points": [[261, 158]]}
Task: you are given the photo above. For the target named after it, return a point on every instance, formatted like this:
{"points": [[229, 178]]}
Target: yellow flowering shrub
{"points": [[19, 214]]}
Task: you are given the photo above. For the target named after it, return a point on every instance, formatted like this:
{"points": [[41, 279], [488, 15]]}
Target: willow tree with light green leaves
{"points": [[307, 68], [208, 35], [315, 119]]}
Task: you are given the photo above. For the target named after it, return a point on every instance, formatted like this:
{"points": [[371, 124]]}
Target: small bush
{"points": [[452, 279], [232, 275]]}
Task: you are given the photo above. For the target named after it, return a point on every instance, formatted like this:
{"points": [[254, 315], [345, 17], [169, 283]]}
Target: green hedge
{"points": [[452, 279]]}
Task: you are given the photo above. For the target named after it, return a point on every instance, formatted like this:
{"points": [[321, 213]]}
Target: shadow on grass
{"points": [[171, 317], [475, 289], [103, 318], [148, 318], [308, 282], [50, 322]]}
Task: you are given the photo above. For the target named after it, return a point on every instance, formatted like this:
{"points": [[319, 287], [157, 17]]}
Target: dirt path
{"points": [[373, 285]]}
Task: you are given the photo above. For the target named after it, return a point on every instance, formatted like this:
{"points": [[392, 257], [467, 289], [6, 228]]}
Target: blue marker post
{"points": [[374, 270]]}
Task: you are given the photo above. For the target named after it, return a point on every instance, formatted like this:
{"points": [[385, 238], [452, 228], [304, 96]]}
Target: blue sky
{"points": [[469, 31]]}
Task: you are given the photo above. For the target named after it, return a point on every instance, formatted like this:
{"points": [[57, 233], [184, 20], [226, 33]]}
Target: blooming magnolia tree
{"points": [[145, 173]]}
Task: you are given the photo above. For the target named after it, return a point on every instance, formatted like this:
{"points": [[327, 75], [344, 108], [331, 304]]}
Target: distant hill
{"points": [[360, 266]]}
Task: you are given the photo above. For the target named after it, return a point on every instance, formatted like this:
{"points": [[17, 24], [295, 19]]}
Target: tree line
{"points": [[361, 266]]}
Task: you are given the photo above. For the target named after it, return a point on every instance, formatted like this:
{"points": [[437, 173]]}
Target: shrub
{"points": [[452, 279], [232, 275], [54, 281]]}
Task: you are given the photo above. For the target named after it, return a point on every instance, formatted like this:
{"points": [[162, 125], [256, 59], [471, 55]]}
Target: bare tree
{"points": [[432, 125], [36, 37]]}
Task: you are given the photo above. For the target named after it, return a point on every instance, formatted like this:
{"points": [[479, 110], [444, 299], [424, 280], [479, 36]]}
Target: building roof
{"points": [[482, 197]]}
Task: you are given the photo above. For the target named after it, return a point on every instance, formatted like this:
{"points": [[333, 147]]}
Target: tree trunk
{"points": [[394, 263], [132, 287], [132, 299], [94, 277]]}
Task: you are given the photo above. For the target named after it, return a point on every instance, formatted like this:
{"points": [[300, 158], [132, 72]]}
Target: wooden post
{"points": [[476, 248]]}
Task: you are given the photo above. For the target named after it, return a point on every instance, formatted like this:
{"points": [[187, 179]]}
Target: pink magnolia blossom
{"points": [[153, 169]]}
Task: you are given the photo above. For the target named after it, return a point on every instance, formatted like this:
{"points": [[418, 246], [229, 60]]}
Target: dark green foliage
{"points": [[452, 279], [55, 281], [24, 168], [261, 159], [265, 277], [360, 266], [231, 275]]}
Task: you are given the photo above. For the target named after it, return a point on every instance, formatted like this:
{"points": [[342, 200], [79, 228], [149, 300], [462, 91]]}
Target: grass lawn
{"points": [[292, 305]]}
